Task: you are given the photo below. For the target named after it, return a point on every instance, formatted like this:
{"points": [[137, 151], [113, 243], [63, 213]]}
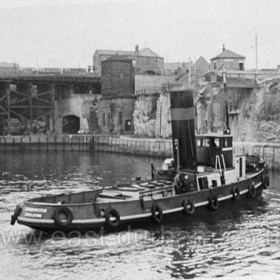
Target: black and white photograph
{"points": [[139, 139]]}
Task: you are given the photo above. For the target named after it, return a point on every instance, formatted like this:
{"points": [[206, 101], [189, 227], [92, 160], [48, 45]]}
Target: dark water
{"points": [[234, 242]]}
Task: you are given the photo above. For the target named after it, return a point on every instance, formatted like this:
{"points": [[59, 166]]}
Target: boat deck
{"points": [[143, 189]]}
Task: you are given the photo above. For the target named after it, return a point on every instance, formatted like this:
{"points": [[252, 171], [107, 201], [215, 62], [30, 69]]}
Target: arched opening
{"points": [[71, 124]]}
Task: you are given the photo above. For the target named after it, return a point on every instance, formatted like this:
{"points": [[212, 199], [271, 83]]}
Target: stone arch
{"points": [[71, 124]]}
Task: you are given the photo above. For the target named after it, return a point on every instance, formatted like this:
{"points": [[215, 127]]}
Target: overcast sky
{"points": [[65, 33]]}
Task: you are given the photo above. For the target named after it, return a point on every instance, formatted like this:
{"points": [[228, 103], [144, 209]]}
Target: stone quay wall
{"points": [[163, 147], [154, 147], [138, 146], [45, 143]]}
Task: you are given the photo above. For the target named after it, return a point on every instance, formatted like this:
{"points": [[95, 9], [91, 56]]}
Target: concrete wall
{"points": [[79, 105], [151, 83]]}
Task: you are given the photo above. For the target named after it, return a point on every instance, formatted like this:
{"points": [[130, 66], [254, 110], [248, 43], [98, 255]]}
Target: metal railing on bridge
{"points": [[51, 77]]}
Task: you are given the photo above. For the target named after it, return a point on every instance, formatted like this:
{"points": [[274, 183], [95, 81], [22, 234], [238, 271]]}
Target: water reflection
{"points": [[238, 240]]}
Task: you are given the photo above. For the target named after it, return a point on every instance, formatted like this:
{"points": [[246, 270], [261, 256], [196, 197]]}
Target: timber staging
{"points": [[123, 144]]}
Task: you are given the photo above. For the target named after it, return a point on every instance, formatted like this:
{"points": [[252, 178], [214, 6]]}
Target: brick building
{"points": [[145, 61], [116, 105], [228, 60]]}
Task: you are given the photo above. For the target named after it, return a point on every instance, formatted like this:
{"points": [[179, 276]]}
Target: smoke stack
{"points": [[183, 129], [224, 48]]}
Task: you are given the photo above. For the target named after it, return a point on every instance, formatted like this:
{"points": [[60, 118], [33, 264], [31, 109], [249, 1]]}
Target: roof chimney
{"points": [[137, 48], [224, 48]]}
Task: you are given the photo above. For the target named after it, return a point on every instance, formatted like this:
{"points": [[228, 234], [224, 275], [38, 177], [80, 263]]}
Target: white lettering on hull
{"points": [[33, 215], [36, 210]]}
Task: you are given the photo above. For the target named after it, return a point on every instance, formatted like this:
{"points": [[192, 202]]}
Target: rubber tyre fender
{"points": [[16, 214], [67, 212], [213, 203], [265, 183], [157, 214], [236, 193], [252, 192], [189, 207], [112, 212]]}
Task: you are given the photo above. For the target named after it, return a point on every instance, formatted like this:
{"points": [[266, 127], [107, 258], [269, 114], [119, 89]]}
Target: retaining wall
{"points": [[163, 147], [124, 144], [137, 146], [46, 142]]}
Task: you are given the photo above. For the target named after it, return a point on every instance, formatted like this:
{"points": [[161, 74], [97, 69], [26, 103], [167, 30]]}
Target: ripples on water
{"points": [[239, 241]]}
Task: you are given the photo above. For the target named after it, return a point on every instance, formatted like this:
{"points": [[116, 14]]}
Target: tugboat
{"points": [[206, 174]]}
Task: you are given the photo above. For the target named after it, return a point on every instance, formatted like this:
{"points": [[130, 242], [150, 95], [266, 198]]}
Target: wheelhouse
{"points": [[214, 150]]}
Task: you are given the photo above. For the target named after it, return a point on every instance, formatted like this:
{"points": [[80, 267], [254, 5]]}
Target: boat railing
{"points": [[162, 190], [268, 152]]}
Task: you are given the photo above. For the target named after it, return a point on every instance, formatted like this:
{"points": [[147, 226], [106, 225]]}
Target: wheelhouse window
{"points": [[213, 143], [208, 142], [227, 142]]}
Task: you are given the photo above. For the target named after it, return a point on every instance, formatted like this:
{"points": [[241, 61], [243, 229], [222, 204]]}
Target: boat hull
{"points": [[115, 216]]}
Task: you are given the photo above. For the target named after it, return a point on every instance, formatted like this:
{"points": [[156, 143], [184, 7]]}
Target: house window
{"points": [[241, 66], [214, 65], [104, 119]]}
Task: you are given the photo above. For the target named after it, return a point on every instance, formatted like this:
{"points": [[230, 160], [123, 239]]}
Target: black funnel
{"points": [[183, 129]]}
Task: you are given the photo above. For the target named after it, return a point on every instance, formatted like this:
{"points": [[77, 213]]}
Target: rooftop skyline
{"points": [[60, 33]]}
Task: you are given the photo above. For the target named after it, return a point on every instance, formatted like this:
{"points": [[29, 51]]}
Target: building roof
{"points": [[201, 59], [227, 54], [117, 57], [114, 52], [148, 52], [143, 52]]}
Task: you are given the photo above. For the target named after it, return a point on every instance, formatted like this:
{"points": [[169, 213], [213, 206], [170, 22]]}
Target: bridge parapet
{"points": [[88, 78]]}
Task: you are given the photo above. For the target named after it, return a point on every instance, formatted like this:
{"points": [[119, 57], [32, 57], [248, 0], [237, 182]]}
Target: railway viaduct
{"points": [[54, 103]]}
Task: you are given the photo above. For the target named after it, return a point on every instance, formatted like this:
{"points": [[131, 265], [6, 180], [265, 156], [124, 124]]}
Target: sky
{"points": [[66, 33]]}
